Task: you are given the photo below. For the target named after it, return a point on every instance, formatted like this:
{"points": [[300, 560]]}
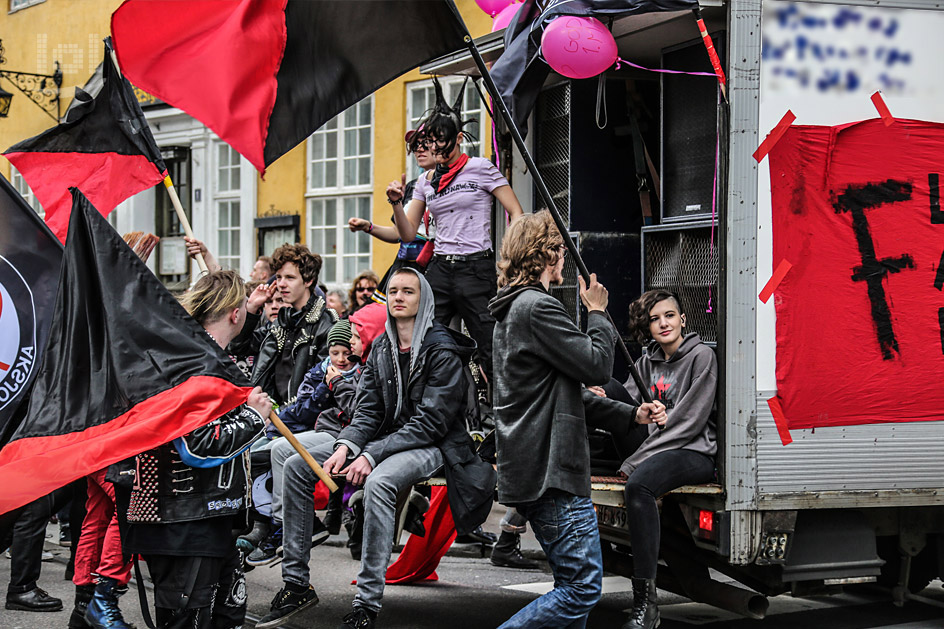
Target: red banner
{"points": [[860, 315]]}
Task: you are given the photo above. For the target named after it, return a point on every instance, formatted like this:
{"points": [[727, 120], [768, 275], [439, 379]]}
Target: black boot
{"points": [[83, 595], [332, 518], [507, 553], [251, 540], [645, 614]]}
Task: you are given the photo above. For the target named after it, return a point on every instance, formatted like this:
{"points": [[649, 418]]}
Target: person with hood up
{"points": [[541, 433], [682, 375], [409, 422]]}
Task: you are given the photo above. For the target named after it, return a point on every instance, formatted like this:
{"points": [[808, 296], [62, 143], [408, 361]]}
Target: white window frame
{"points": [[19, 184], [338, 195], [450, 84], [244, 194], [19, 5]]}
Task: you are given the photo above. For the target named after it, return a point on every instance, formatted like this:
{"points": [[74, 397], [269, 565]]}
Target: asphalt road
{"points": [[473, 594]]}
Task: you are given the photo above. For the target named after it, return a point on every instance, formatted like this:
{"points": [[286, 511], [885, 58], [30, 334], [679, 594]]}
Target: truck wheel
{"points": [[923, 565]]}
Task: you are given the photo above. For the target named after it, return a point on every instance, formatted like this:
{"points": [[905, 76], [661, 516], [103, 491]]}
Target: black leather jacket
{"points": [[304, 333], [432, 415], [166, 489]]}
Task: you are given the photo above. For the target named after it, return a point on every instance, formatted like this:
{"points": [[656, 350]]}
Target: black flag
{"points": [[126, 369], [30, 257]]}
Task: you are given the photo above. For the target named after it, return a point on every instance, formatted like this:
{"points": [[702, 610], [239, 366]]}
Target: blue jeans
{"points": [[566, 527]]}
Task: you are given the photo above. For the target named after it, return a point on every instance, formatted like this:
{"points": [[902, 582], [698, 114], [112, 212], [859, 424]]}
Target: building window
{"points": [[16, 5], [25, 191], [339, 188], [421, 98], [228, 207]]}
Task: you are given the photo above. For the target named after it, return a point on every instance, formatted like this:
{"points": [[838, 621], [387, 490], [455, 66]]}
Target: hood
{"points": [[501, 302], [370, 321], [421, 325], [441, 336], [655, 350]]}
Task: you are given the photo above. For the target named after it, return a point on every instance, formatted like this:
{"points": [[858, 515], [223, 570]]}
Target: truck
{"points": [[656, 176]]}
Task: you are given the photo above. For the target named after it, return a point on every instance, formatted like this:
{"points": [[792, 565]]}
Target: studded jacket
{"points": [[200, 475], [298, 336]]}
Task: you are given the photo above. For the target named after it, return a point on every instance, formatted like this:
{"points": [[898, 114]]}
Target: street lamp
{"points": [[35, 86]]}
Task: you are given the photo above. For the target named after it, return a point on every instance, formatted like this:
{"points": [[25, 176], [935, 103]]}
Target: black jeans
{"points": [[29, 534], [464, 289], [657, 475], [213, 598]]}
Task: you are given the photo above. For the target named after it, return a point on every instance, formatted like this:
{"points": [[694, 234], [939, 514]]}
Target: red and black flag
{"points": [[266, 74], [30, 257], [126, 369], [520, 72], [104, 146]]}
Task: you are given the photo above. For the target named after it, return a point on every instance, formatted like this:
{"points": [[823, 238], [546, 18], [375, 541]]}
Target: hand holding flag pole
{"points": [[171, 191], [310, 460]]}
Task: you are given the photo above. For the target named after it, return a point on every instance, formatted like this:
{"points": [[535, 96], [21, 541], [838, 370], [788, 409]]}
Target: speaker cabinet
{"points": [[690, 132]]}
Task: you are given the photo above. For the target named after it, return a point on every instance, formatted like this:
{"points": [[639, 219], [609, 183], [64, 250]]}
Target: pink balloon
{"points": [[578, 47], [504, 17], [492, 7]]}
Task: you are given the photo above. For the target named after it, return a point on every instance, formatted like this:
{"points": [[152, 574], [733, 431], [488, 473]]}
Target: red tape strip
{"points": [[774, 136], [882, 108], [775, 280], [780, 419], [712, 53]]}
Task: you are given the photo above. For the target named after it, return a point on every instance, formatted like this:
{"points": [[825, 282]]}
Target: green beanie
{"points": [[340, 334]]}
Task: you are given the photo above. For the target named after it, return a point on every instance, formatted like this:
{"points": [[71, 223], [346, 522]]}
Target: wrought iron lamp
{"points": [[36, 87]]}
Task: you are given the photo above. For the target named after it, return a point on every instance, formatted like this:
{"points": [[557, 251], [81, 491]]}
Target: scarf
{"points": [[443, 175]]}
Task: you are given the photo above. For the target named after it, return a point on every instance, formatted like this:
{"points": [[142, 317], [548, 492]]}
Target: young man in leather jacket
{"points": [[187, 493], [409, 421]]}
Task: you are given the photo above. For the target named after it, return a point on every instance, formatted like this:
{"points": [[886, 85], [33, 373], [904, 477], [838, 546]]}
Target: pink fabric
{"points": [[99, 546], [370, 322]]}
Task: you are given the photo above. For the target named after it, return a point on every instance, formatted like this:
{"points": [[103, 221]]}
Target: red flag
{"points": [[266, 74], [104, 147]]}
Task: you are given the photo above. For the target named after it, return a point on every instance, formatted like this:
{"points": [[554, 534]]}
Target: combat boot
{"points": [[102, 611], [645, 614]]}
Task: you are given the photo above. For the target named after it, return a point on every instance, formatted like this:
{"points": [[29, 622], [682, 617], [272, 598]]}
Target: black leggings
{"points": [[658, 475]]}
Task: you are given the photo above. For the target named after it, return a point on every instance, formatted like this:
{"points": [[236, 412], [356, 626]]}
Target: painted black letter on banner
{"points": [[856, 200], [934, 194]]}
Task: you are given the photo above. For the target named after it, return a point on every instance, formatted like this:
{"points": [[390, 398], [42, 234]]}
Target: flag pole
{"points": [[171, 191], [305, 454], [499, 106]]}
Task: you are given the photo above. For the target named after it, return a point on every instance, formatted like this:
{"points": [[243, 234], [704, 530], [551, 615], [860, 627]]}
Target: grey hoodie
{"points": [[686, 383]]}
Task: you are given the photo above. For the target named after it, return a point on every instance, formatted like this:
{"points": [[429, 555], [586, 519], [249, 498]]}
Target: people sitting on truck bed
{"points": [[409, 422], [679, 445]]}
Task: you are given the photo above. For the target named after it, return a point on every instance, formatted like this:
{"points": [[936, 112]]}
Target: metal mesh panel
{"points": [[552, 116], [683, 261], [553, 146]]}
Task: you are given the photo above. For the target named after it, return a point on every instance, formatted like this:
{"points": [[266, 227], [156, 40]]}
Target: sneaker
{"points": [[359, 618], [267, 551], [47, 556], [285, 605]]}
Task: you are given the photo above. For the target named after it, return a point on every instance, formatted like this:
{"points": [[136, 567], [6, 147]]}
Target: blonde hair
{"points": [[531, 243], [214, 296]]}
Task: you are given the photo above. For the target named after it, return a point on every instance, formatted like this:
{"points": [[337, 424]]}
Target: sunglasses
{"points": [[366, 289]]}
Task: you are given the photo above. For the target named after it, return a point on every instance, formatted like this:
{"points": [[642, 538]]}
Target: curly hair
{"points": [[308, 263], [214, 296], [639, 312], [531, 243], [363, 275]]}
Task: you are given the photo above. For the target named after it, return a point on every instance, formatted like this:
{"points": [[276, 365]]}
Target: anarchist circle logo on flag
{"points": [[17, 332]]}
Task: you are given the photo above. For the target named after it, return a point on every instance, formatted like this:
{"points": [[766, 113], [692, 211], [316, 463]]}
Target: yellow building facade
{"points": [[342, 170]]}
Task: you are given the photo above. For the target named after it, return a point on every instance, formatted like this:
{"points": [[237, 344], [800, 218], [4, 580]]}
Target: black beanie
{"points": [[340, 334]]}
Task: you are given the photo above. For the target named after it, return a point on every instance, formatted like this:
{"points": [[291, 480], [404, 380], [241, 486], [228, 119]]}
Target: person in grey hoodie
{"points": [[542, 361], [408, 423], [679, 446]]}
